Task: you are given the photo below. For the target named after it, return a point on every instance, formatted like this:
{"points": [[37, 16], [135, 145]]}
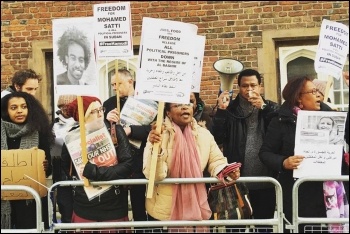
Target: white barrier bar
{"points": [[39, 223], [302, 220], [276, 222]]}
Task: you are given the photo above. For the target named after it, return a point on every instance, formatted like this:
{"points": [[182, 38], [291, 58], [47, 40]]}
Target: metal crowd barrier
{"points": [[314, 220], [39, 223], [162, 226]]}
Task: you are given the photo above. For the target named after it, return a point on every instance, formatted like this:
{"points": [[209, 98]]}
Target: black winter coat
{"points": [[278, 145], [112, 204], [230, 129]]}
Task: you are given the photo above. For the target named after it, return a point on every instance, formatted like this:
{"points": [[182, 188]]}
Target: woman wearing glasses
{"points": [[277, 150], [186, 149], [112, 205]]}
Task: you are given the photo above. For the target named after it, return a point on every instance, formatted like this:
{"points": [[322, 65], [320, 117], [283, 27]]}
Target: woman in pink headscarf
{"points": [[186, 150]]}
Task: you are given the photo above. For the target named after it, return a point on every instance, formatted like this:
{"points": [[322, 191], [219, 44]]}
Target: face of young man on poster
{"points": [[75, 62]]}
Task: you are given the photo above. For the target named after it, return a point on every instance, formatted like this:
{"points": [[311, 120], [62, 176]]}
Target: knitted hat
{"points": [[73, 106], [65, 100], [320, 85]]}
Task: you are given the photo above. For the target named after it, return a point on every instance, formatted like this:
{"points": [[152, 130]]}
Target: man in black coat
{"points": [[240, 125]]}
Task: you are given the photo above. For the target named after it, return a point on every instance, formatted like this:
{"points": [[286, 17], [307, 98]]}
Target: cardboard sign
{"points": [[16, 168]]}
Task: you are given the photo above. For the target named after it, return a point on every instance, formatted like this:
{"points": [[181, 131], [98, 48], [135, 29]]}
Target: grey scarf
{"points": [[28, 140]]}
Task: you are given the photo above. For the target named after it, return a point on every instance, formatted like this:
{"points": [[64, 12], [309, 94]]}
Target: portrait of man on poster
{"points": [[74, 53]]}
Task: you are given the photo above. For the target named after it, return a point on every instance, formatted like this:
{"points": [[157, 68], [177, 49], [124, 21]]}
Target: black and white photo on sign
{"points": [[320, 127], [73, 47], [320, 139]]}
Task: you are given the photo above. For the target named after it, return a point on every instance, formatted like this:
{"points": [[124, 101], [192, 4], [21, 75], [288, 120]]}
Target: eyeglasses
{"points": [[98, 110], [179, 106], [313, 91]]}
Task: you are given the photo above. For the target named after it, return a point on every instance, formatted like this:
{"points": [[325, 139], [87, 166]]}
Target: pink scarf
{"points": [[189, 201]]}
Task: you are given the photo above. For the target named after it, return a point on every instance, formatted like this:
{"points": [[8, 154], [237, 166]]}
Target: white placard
{"points": [[198, 64], [166, 61], [320, 139], [333, 47], [320, 160], [80, 29], [113, 30]]}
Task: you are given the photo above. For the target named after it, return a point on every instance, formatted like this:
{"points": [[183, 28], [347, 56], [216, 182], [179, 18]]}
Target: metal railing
{"points": [[276, 222], [303, 220], [39, 223]]}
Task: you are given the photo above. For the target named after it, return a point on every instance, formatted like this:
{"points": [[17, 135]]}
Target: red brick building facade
{"points": [[249, 31]]}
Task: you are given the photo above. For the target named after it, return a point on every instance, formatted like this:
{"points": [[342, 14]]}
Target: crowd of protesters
{"points": [[255, 132]]}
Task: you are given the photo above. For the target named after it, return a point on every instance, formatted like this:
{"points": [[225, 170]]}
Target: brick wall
{"points": [[232, 28]]}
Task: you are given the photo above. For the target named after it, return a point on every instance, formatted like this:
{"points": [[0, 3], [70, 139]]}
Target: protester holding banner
{"points": [[112, 205], [277, 150], [24, 125], [137, 132], [185, 149]]}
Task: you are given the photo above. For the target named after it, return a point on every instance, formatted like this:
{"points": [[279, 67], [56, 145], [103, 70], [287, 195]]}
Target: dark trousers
{"points": [[138, 202], [65, 203], [138, 205], [23, 213], [263, 202]]}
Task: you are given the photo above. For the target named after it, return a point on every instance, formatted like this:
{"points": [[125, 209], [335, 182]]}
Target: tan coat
{"points": [[159, 206]]}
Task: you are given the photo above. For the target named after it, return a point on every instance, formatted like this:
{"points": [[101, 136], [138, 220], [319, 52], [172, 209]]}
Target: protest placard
{"points": [[100, 151], [113, 31], [165, 72], [23, 167], [198, 64], [320, 139], [333, 48], [166, 60]]}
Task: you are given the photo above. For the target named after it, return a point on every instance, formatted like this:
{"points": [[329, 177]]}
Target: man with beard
{"points": [[74, 53]]}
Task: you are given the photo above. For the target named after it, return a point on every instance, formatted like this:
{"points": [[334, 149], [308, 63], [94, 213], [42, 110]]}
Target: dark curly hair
{"points": [[70, 36], [20, 77], [37, 119]]}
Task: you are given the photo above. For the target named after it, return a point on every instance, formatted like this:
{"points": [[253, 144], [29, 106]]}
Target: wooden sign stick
{"points": [[117, 86], [82, 134], [155, 152]]}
